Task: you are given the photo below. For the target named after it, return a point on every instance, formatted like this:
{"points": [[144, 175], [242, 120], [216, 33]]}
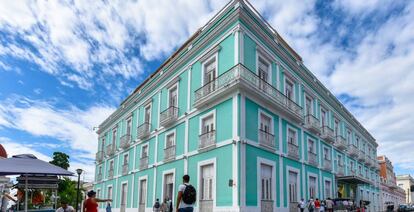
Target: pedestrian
{"points": [[329, 205], [157, 206], [302, 205], [164, 206], [186, 196], [317, 205], [323, 206], [65, 207], [311, 205], [91, 203], [4, 201], [108, 207]]}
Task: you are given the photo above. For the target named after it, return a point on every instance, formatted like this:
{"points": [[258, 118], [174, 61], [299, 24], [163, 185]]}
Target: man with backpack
{"points": [[186, 196]]}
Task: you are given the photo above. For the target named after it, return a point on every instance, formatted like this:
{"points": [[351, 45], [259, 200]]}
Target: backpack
{"points": [[157, 205], [189, 195], [311, 205]]}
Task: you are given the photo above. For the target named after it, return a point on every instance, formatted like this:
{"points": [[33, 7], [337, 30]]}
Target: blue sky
{"points": [[64, 67]]}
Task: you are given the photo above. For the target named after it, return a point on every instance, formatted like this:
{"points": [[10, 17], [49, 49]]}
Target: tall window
{"points": [[147, 114], [263, 72], [357, 141], [326, 153], [349, 136], [142, 192], [363, 147], [312, 186], [109, 194], [207, 124], [207, 182], [339, 158], [308, 105], [360, 170], [292, 137], [170, 140], [168, 185], [209, 71], [336, 126], [126, 159], [111, 165], [173, 97], [103, 144], [100, 170], [327, 189], [114, 131], [289, 92], [324, 117], [311, 146], [124, 191], [293, 186], [128, 126], [266, 182], [144, 153], [265, 123]]}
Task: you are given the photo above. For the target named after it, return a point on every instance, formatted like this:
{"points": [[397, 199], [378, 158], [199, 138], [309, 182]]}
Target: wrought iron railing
{"points": [[169, 152], [207, 139], [125, 141], [266, 205], [328, 134], [110, 150], [353, 150], [168, 116], [266, 139], [340, 142], [313, 158], [143, 130], [143, 163], [125, 169], [311, 122], [293, 151]]}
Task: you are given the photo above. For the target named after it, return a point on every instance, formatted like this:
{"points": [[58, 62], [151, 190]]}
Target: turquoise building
{"points": [[236, 109]]}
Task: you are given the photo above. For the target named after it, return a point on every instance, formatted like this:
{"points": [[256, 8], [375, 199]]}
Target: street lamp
{"points": [[79, 172]]}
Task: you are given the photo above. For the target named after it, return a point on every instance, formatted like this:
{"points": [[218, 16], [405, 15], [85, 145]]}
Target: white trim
{"points": [[236, 36], [298, 187], [288, 78], [199, 165], [189, 88], [235, 151], [213, 113], [312, 107], [165, 172], [173, 131], [214, 57], [177, 87], [186, 146], [242, 152], [271, 163], [259, 113]]}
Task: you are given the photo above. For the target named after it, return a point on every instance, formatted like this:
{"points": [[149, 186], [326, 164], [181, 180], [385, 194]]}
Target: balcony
{"points": [[99, 156], [373, 163], [266, 205], [125, 169], [313, 159], [266, 139], [293, 151], [99, 177], [327, 164], [352, 172], [169, 116], [367, 160], [353, 150], [207, 139], [241, 78], [361, 156], [340, 142], [143, 130], [169, 153], [125, 142], [110, 150], [340, 170], [143, 163], [327, 134], [312, 124], [111, 173]]}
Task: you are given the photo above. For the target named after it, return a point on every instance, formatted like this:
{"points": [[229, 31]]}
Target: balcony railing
{"points": [[340, 170], [99, 156], [169, 116], [313, 158], [328, 134], [266, 139], [111, 173], [125, 141], [361, 156], [266, 205], [293, 151], [353, 150], [327, 164], [240, 77], [312, 123], [367, 160], [125, 169], [207, 139], [99, 177], [169, 153], [340, 142], [143, 163], [110, 150], [143, 130]]}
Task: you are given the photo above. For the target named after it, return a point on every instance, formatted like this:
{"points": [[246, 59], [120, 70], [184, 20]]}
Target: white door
{"points": [[142, 195], [207, 188], [266, 188], [168, 186], [210, 76], [124, 190]]}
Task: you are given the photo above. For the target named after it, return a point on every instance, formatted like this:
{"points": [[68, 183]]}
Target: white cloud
{"points": [[17, 148]]}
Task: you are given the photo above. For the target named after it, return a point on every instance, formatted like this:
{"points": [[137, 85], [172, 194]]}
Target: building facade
{"points": [[390, 192], [236, 109], [406, 182]]}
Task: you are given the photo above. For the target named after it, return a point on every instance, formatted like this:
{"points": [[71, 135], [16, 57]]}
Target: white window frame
{"points": [[260, 112], [313, 146], [213, 113], [310, 174], [328, 153], [337, 131], [262, 56], [123, 158], [140, 179], [322, 107], [339, 159], [120, 196], [164, 173], [129, 119], [311, 104], [203, 65], [297, 171], [325, 179], [142, 147], [149, 105], [293, 82], [172, 132], [296, 133], [112, 191], [271, 163], [205, 163], [113, 162], [114, 135], [176, 86]]}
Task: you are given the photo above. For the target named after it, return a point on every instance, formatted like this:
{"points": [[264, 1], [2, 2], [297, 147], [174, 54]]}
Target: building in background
{"points": [[390, 192], [406, 182], [236, 109]]}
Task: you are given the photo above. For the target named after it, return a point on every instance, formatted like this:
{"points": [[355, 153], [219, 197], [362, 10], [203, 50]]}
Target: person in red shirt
{"points": [[317, 205], [91, 204]]}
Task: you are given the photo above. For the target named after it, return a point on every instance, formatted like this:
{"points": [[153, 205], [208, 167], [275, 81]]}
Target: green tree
{"points": [[60, 159], [67, 190]]}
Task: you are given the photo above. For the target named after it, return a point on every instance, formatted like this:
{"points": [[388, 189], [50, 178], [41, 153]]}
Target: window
{"points": [[147, 114], [292, 137], [103, 144], [170, 140], [324, 117], [144, 151], [293, 186], [265, 123], [289, 92], [114, 131], [311, 146], [339, 158], [348, 136], [142, 192], [128, 126], [126, 158], [100, 170], [357, 141], [173, 97], [308, 105], [327, 189], [109, 194], [124, 193], [360, 170], [312, 186], [207, 182], [210, 69], [266, 182], [336, 127], [207, 124], [326, 153], [168, 186], [98, 193], [263, 69], [363, 147], [111, 165], [351, 164]]}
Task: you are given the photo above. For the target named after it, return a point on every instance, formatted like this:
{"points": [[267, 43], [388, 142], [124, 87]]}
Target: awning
{"points": [[353, 179]]}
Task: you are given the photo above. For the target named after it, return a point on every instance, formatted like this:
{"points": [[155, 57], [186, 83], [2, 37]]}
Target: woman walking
{"points": [[91, 204]]}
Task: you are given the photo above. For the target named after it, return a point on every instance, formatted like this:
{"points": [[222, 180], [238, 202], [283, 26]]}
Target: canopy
{"points": [[28, 164]]}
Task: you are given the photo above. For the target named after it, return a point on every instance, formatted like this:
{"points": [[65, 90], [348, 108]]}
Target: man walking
{"points": [[186, 196], [302, 205]]}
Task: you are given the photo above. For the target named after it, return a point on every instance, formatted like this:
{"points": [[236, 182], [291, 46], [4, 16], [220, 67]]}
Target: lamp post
{"points": [[79, 172]]}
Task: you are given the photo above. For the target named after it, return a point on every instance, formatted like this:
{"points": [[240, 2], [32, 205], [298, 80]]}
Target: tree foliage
{"points": [[60, 159]]}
